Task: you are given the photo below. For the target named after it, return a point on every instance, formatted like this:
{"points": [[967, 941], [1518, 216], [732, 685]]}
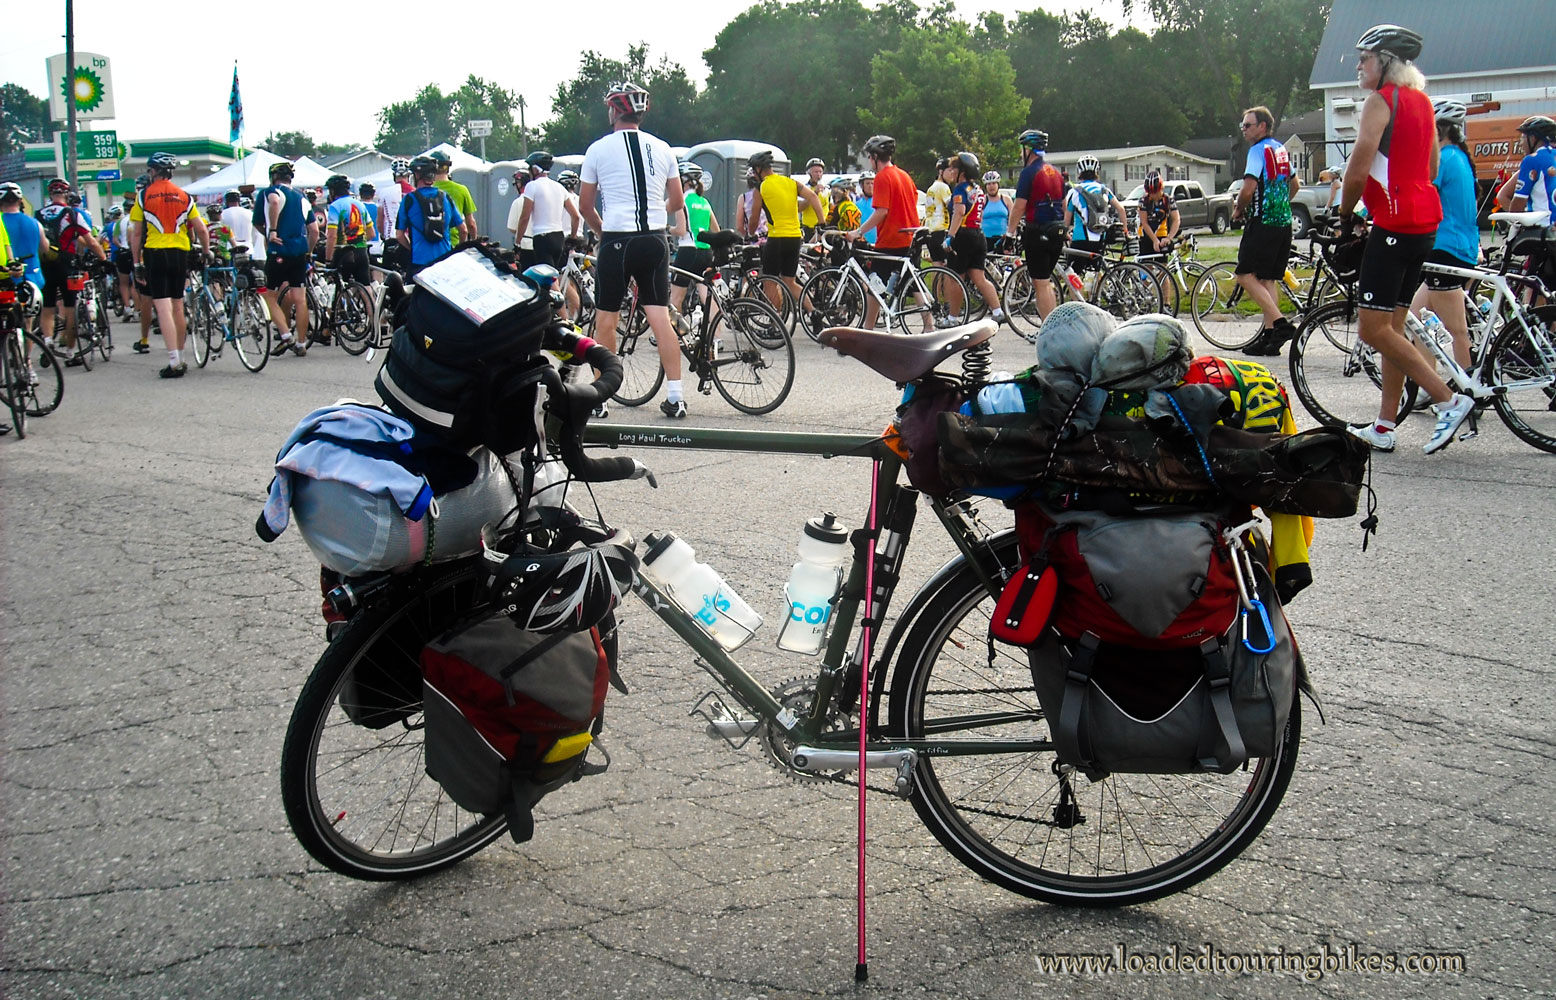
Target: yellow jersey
{"points": [[166, 211], [781, 205]]}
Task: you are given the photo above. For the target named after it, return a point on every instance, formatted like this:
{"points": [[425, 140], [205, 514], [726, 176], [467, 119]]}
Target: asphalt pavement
{"points": [[151, 648]]}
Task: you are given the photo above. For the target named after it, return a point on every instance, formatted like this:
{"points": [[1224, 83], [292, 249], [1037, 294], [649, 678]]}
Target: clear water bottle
{"points": [[813, 584], [891, 283], [699, 590], [1433, 325], [877, 284]]}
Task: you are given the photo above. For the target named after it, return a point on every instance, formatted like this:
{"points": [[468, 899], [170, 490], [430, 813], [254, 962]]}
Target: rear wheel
{"points": [[772, 290], [16, 388], [358, 798], [1337, 376], [1525, 366], [835, 298], [251, 330], [200, 323], [641, 372], [946, 303], [753, 361], [1165, 283], [354, 317], [1128, 290], [1027, 823], [1222, 312], [86, 333]]}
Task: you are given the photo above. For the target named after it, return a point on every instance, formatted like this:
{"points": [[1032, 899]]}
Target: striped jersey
{"points": [[631, 168]]}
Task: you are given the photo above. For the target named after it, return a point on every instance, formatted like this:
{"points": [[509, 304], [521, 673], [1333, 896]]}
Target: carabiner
{"points": [[1264, 623]]}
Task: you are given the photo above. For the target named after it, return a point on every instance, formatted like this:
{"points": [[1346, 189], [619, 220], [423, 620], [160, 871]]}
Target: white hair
{"points": [[1401, 72]]}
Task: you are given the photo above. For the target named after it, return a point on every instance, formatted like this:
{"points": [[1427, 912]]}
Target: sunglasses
{"points": [[1245, 126]]}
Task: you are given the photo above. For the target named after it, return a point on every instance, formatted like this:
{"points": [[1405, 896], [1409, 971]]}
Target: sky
{"points": [[173, 82]]}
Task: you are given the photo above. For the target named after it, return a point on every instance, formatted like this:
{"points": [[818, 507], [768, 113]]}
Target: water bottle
{"points": [[813, 583], [891, 284], [699, 590], [1435, 329], [877, 284]]}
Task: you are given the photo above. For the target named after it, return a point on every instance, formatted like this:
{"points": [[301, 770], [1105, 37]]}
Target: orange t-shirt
{"points": [[894, 191]]}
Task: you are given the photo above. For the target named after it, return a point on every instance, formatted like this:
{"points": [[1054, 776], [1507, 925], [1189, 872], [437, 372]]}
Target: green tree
{"points": [[23, 118], [937, 94], [578, 107], [433, 117], [290, 144]]}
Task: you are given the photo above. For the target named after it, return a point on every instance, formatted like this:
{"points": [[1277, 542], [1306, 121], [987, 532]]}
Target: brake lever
{"points": [[641, 471]]}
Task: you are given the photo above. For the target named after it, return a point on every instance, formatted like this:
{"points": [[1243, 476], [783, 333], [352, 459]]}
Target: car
{"points": [[1195, 208]]}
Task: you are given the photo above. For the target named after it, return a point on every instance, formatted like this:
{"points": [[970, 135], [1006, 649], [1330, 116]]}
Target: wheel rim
{"points": [[753, 363], [641, 371], [1336, 375], [1525, 367]]}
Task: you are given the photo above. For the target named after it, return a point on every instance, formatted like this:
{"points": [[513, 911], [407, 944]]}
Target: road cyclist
{"points": [[167, 227], [1037, 218], [966, 245]]}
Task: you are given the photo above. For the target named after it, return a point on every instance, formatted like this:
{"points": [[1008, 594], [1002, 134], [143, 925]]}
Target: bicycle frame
{"points": [[809, 730], [906, 267], [1505, 297]]}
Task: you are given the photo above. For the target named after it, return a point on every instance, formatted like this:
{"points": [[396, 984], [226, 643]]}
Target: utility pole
{"points": [[70, 92], [523, 131]]}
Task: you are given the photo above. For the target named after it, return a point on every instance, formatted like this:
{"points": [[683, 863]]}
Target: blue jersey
{"points": [[410, 219], [866, 205], [1457, 233], [25, 235], [1537, 180], [372, 213], [291, 224]]}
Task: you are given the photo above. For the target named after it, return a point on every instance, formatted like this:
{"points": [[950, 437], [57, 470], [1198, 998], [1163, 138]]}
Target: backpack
{"points": [[510, 714], [1097, 203], [434, 224], [59, 232]]}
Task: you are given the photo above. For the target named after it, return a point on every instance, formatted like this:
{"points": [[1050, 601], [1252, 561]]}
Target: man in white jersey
{"points": [[238, 220], [546, 216], [635, 177]]}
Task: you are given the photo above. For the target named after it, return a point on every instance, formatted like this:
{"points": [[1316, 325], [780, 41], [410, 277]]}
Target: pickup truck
{"points": [[1195, 209], [1307, 208]]}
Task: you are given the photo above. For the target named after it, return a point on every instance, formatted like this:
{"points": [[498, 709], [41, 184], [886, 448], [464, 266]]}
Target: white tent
{"points": [[459, 157], [310, 173], [252, 169]]}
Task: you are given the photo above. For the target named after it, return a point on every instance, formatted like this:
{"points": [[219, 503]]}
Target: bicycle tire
{"points": [[1524, 367], [940, 284], [998, 814], [761, 288], [85, 336], [836, 298], [1166, 286], [1219, 307], [44, 398], [1018, 297], [753, 365], [105, 333], [351, 816], [1127, 290], [198, 323], [1337, 377], [354, 313], [641, 370], [16, 387], [251, 330]]}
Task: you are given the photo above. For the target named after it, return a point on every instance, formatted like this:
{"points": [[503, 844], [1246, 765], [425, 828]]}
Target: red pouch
{"points": [[1026, 604]]}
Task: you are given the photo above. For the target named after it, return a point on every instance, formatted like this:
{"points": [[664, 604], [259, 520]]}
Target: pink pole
{"points": [[862, 966]]}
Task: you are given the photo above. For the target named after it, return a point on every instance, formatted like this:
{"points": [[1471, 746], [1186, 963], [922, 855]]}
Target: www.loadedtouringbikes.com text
{"points": [[1208, 960]]}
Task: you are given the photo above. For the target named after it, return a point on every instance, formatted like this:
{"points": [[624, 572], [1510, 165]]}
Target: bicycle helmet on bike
{"points": [[1153, 182], [400, 167], [282, 169], [880, 145], [338, 185], [540, 158], [1401, 43], [567, 591], [1086, 163], [815, 161], [424, 166], [164, 162], [762, 159], [1539, 125], [968, 164], [1449, 111], [626, 98]]}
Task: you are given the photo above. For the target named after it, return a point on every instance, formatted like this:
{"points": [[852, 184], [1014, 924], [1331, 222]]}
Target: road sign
{"points": [[480, 127], [91, 84], [96, 153]]}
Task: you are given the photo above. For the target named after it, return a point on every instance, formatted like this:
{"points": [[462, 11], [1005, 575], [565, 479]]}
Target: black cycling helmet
{"points": [[424, 166], [1539, 125], [815, 161], [338, 185], [284, 168], [567, 591], [142, 182], [539, 158], [762, 159], [438, 156], [1033, 139], [164, 162], [941, 163], [968, 164], [1402, 43], [880, 145], [366, 190]]}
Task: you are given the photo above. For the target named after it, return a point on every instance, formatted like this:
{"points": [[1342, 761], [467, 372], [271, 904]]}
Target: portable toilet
{"points": [[723, 166], [475, 178], [501, 193]]}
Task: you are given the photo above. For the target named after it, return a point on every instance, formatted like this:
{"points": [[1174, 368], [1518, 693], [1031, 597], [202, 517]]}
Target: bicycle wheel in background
{"points": [[86, 334], [15, 387], [251, 330], [1524, 365], [641, 372], [836, 299], [945, 290], [1019, 301], [1165, 284], [771, 290], [356, 794], [200, 327], [43, 394], [1128, 290], [753, 364], [1222, 311], [104, 330], [1338, 377], [1026, 823], [354, 318]]}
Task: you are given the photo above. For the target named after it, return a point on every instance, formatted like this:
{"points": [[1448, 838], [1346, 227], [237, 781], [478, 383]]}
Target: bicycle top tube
{"points": [[725, 439]]}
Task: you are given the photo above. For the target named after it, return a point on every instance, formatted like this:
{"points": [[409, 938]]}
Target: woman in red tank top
{"points": [[1391, 169]]}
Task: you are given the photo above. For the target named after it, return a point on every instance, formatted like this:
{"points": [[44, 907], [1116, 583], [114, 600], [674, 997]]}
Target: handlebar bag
{"points": [[510, 714]]}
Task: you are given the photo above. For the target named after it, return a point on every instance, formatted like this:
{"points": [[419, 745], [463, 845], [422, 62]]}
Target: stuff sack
{"points": [[1212, 707], [510, 714], [1163, 581], [912, 434], [354, 532]]}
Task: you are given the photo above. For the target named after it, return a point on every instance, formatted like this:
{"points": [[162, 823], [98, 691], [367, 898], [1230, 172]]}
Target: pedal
{"points": [[722, 724]]}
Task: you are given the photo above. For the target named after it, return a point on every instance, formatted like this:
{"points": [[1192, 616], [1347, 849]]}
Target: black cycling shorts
{"points": [[643, 257], [969, 248], [1436, 281], [123, 264], [693, 259], [890, 267], [54, 274], [1264, 251], [1042, 245], [352, 263], [781, 256], [167, 270], [936, 246], [549, 248], [291, 271], [1391, 268]]}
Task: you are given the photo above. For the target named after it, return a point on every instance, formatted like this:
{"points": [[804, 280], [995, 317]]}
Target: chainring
{"points": [[797, 693]]}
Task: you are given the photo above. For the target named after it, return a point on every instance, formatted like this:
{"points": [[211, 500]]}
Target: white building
{"points": [[1126, 166]]}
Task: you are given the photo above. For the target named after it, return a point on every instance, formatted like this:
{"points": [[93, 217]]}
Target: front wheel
{"points": [[200, 324], [945, 300], [353, 769], [641, 371], [753, 359], [834, 297], [1128, 290], [1023, 821], [47, 388], [772, 290], [17, 390], [1222, 311], [354, 317], [1524, 365], [251, 330], [1336, 374]]}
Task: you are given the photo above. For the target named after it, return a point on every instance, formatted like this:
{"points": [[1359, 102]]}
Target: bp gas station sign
{"points": [[97, 155]]}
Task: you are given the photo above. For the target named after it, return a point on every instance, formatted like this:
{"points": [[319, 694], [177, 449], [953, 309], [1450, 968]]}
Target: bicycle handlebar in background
{"points": [[571, 403]]}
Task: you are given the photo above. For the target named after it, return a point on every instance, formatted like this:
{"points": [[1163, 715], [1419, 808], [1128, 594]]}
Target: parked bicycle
{"points": [[224, 306], [32, 377], [1121, 287], [911, 300], [1230, 320], [94, 336]]}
